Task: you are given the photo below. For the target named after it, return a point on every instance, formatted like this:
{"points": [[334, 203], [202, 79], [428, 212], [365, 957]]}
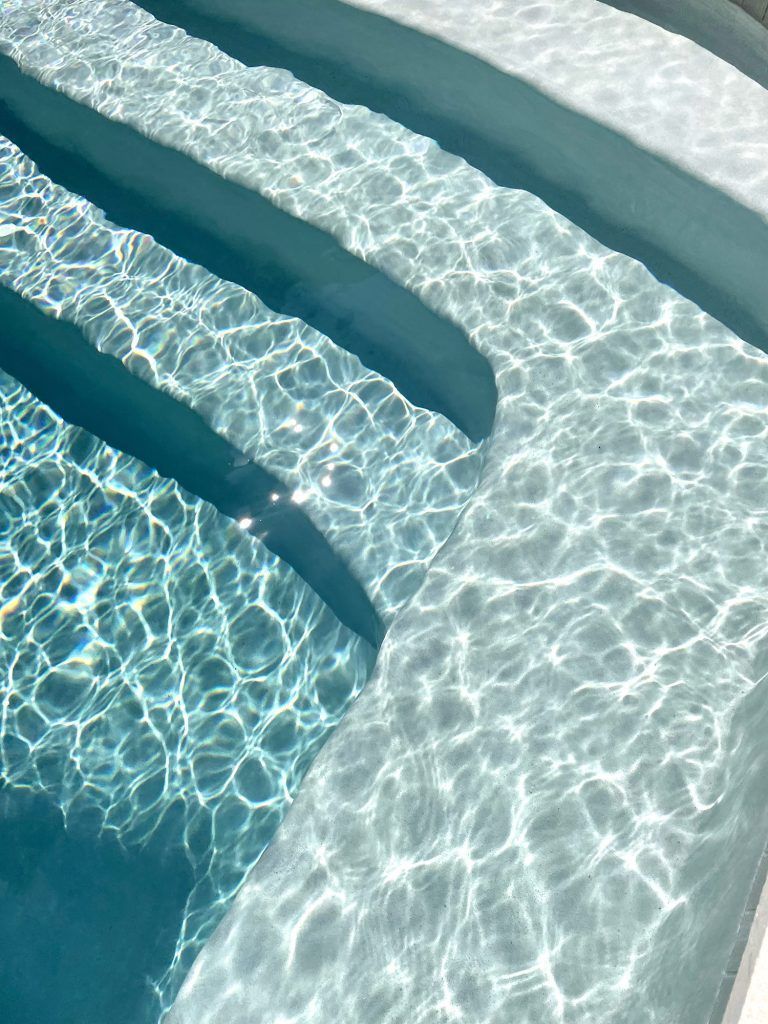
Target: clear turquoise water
{"points": [[522, 816], [166, 679]]}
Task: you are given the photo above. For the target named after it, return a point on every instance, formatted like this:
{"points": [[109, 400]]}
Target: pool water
{"points": [[111, 916], [280, 375], [166, 682]]}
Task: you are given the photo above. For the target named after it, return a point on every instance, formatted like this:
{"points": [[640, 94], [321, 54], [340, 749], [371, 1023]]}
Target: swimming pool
{"points": [[378, 390]]}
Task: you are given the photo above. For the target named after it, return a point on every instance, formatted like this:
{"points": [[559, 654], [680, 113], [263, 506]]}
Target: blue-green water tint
{"points": [[165, 683], [699, 240], [550, 774], [95, 391], [293, 267], [84, 922], [383, 480], [163, 674]]}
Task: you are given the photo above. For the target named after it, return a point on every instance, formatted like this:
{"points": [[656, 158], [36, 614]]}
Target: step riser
{"points": [[364, 464]]}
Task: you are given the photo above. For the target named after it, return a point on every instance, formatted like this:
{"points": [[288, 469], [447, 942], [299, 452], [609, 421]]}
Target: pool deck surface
{"points": [[756, 1004]]}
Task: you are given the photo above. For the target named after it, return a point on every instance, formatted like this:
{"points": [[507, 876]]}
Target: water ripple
{"points": [[160, 671], [560, 758], [382, 478]]}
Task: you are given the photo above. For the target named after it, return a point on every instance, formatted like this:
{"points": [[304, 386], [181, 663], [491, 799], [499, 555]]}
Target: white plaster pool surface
{"points": [[657, 88], [547, 803], [541, 806]]}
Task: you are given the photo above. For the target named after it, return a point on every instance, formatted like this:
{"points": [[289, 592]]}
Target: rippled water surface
{"points": [[162, 672], [547, 804], [167, 681]]}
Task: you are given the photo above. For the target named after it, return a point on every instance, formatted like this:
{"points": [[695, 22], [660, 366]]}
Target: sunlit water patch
{"points": [[164, 680], [85, 922], [383, 479]]}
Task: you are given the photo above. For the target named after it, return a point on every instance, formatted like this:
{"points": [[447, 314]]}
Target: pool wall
{"points": [[757, 8], [721, 26]]}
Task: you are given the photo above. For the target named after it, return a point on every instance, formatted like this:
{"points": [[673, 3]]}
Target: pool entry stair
{"points": [[502, 365], [280, 392], [548, 125]]}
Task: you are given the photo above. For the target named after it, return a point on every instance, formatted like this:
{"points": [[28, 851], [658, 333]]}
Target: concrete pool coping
{"points": [[748, 999]]}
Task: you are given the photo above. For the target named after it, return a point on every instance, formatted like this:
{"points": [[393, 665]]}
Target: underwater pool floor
{"points": [[548, 800]]}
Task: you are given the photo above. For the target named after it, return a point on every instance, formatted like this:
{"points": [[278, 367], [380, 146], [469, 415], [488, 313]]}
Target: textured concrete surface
{"points": [[755, 1009]]}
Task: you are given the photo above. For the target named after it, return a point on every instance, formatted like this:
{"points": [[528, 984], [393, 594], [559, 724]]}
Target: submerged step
{"points": [[383, 480], [95, 391], [526, 114], [360, 53], [562, 821], [295, 268], [581, 762], [165, 682]]}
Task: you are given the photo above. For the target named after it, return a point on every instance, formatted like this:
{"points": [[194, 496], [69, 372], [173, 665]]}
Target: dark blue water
{"points": [[83, 922]]}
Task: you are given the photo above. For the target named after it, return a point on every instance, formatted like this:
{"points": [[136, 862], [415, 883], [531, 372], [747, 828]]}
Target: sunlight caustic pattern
{"points": [[159, 669], [664, 92], [384, 480], [559, 761], [529, 811]]}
